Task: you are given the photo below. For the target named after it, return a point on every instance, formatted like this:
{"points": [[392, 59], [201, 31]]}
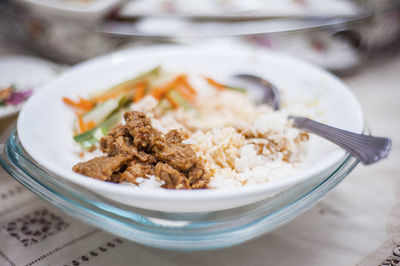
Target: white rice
{"points": [[150, 182], [216, 130]]}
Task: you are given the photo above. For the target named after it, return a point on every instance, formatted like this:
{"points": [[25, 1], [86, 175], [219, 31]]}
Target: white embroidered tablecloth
{"points": [[356, 224]]}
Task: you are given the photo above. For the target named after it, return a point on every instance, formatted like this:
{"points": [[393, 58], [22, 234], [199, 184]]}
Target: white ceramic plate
{"points": [[26, 73], [238, 8], [45, 123], [72, 11]]}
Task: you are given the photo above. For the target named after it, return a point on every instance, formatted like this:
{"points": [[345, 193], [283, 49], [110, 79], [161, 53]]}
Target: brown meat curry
{"points": [[136, 149]]}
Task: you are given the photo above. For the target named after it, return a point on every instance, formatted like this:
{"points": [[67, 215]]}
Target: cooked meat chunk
{"points": [[173, 137], [116, 141], [147, 139], [198, 176], [136, 149], [106, 145], [145, 157], [123, 145], [134, 170], [136, 121], [172, 178], [102, 167], [179, 156], [117, 131], [116, 145]]}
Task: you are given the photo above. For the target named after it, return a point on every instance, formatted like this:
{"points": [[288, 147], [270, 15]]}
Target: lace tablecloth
{"points": [[356, 224]]}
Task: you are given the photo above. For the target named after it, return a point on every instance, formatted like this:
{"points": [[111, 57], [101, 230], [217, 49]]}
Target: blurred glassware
{"points": [[338, 35]]}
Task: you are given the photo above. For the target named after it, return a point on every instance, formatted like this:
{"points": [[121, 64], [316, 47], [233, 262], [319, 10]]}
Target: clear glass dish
{"points": [[192, 231]]}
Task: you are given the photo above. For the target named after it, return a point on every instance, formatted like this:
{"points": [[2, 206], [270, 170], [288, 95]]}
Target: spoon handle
{"points": [[367, 149]]}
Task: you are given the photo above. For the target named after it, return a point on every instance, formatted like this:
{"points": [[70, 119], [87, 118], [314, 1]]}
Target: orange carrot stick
{"points": [[183, 80], [215, 84], [139, 92], [80, 104], [173, 103], [70, 102], [111, 95], [185, 93], [90, 125], [158, 93], [81, 125], [88, 104]]}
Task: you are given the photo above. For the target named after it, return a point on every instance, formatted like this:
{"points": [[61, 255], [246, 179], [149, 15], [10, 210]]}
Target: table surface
{"points": [[358, 223]]}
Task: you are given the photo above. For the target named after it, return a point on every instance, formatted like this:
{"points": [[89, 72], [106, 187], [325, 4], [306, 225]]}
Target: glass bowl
{"points": [[191, 231]]}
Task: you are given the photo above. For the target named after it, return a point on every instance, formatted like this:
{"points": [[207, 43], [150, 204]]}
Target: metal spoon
{"points": [[367, 149]]}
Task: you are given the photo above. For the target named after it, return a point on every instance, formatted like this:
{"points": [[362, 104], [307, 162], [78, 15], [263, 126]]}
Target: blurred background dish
{"points": [[21, 76], [239, 9], [70, 11], [338, 35]]}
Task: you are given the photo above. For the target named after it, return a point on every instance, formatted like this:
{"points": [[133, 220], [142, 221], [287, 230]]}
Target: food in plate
{"points": [[136, 150], [11, 96], [48, 136], [183, 131]]}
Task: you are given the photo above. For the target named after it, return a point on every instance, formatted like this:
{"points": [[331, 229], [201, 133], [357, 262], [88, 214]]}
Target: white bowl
{"points": [[45, 123]]}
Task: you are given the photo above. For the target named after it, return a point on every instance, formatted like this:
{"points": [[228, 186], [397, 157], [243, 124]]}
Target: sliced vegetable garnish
{"points": [[176, 100], [239, 89], [101, 111], [97, 114], [81, 124], [112, 94], [183, 80], [81, 104], [164, 105], [160, 91], [125, 100], [88, 105], [90, 125], [139, 91], [221, 86], [91, 137], [12, 96], [18, 97], [6, 93], [215, 84], [146, 76], [185, 93]]}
